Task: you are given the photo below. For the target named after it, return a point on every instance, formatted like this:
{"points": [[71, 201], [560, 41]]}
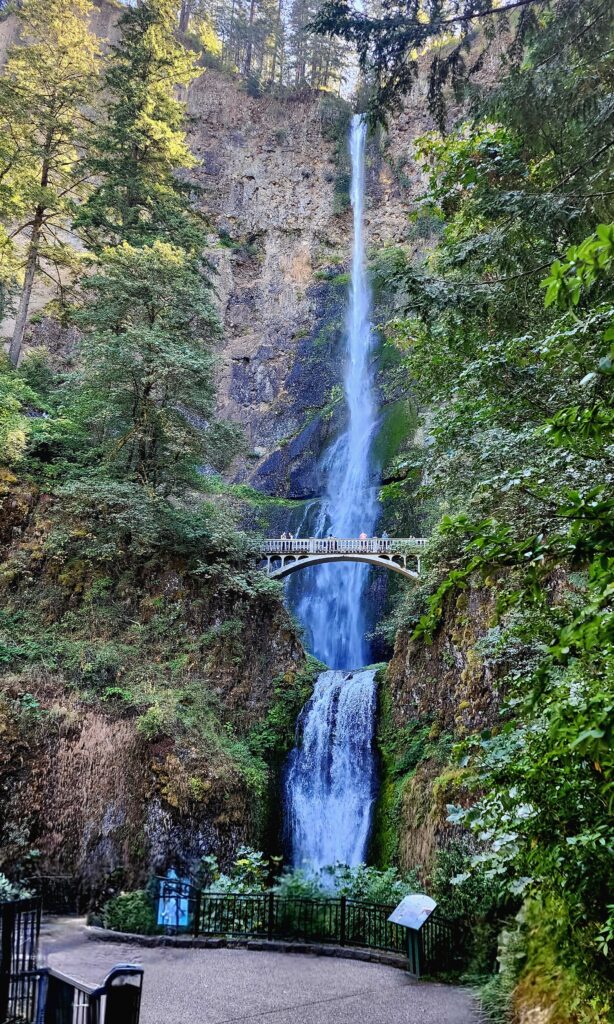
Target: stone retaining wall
{"points": [[270, 946]]}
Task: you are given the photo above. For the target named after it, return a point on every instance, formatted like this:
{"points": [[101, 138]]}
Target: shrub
{"points": [[130, 912], [373, 884], [297, 883], [11, 890]]}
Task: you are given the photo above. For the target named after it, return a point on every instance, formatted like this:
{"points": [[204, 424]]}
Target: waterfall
{"points": [[330, 778], [331, 605]]}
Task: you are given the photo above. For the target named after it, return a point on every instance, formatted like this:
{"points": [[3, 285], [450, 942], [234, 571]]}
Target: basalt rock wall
{"points": [[273, 177]]}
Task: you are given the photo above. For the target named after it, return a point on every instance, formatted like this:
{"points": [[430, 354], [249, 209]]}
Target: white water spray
{"points": [[330, 780]]}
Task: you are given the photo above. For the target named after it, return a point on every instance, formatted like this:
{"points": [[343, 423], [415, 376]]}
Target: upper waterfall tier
{"points": [[332, 603]]}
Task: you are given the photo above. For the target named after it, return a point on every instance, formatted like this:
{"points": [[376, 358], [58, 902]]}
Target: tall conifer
{"points": [[142, 143], [45, 89]]}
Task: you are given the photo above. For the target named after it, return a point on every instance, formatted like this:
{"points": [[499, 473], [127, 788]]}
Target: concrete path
{"points": [[230, 986]]}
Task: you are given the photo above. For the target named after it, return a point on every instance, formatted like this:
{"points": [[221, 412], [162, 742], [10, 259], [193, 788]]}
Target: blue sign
{"points": [[173, 902]]}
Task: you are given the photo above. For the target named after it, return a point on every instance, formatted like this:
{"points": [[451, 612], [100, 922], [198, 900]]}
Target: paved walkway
{"points": [[229, 986]]}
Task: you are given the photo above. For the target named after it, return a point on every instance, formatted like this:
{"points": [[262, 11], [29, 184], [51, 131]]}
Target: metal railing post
{"points": [[271, 915], [197, 914], [7, 921], [342, 922]]}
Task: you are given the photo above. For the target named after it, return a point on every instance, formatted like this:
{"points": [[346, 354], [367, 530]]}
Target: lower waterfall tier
{"points": [[330, 781]]}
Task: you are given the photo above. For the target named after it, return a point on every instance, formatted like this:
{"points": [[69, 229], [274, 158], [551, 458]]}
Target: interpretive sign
{"points": [[413, 911]]}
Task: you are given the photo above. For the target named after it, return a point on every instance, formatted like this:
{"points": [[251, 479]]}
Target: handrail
{"points": [[341, 545], [337, 920]]}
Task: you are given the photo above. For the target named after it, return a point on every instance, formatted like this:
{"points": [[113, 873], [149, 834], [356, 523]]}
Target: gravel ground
{"points": [[227, 986]]}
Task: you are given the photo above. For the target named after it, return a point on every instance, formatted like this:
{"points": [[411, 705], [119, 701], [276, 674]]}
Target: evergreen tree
{"points": [[141, 143], [390, 38], [147, 390], [315, 60], [45, 87]]}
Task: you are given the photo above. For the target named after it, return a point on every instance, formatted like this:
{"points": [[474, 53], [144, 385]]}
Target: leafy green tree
{"points": [[147, 390], [140, 145], [14, 397], [517, 381], [46, 85]]}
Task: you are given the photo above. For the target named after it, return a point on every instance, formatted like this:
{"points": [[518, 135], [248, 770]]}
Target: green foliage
{"points": [[544, 931], [584, 265], [12, 890], [147, 380], [401, 752], [518, 469], [130, 912], [15, 395], [47, 82], [135, 150], [249, 873], [389, 42], [297, 884], [372, 884], [274, 736]]}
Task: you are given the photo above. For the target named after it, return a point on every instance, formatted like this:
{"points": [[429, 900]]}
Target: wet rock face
{"points": [[448, 679], [268, 180], [265, 181]]}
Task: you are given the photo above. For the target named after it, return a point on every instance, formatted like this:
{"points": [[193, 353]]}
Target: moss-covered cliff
{"points": [[138, 694]]}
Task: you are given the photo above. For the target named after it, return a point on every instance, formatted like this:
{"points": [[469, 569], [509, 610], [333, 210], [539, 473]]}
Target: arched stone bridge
{"points": [[399, 555]]}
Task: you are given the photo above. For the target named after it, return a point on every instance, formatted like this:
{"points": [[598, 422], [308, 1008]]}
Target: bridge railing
{"points": [[340, 545]]}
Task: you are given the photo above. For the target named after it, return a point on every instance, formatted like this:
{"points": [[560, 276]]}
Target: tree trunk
{"points": [[227, 44], [184, 15], [26, 294], [250, 38], [276, 44]]}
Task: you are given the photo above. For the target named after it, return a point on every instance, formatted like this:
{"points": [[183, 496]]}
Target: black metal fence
{"points": [[19, 932], [436, 948], [340, 921], [32, 995]]}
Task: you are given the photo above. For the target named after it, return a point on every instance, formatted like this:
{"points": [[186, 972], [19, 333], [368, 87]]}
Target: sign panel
{"points": [[413, 911]]}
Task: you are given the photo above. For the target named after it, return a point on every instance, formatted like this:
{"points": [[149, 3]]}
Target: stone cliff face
{"points": [[272, 179], [274, 176], [432, 696]]}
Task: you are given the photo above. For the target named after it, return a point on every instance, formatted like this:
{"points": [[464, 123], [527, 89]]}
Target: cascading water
{"points": [[332, 605], [330, 777], [330, 780]]}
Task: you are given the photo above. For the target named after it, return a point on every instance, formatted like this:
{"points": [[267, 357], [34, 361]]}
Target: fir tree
{"points": [[47, 83], [141, 144], [389, 39], [147, 392]]}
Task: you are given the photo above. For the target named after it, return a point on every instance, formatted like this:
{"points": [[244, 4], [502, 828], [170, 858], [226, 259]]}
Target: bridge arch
{"points": [[286, 556]]}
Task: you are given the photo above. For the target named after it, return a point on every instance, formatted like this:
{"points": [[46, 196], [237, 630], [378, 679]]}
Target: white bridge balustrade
{"points": [[284, 556]]}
